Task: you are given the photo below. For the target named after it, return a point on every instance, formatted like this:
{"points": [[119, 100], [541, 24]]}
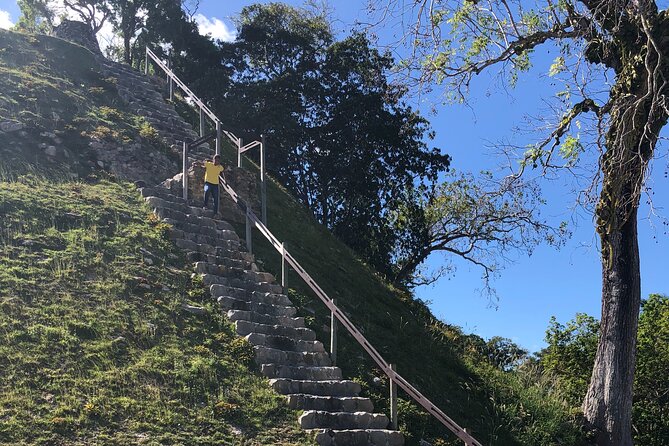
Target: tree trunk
{"points": [[608, 402], [127, 54]]}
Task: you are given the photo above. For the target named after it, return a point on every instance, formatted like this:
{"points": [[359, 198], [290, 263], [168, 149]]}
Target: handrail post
{"points": [[263, 183], [283, 264], [333, 335], [146, 61], [202, 129], [393, 399], [240, 143], [219, 132], [170, 81], [184, 179], [249, 239], [468, 431]]}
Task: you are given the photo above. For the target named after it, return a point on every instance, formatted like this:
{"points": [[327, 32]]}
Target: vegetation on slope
{"points": [[97, 347], [68, 111], [118, 379]]}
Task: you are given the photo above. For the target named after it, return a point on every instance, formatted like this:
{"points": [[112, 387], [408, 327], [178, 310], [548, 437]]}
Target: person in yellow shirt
{"points": [[212, 169]]}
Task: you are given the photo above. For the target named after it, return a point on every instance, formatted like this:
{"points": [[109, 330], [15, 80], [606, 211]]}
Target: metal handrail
{"points": [[414, 393], [181, 85]]}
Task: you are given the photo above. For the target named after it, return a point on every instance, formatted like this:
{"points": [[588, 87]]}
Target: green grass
{"points": [[96, 348]]}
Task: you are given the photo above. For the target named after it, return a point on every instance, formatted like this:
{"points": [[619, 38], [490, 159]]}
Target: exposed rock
{"points": [[193, 309], [51, 151], [79, 33], [11, 126]]}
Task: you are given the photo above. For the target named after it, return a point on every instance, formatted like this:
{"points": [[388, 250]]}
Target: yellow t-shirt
{"points": [[212, 171]]}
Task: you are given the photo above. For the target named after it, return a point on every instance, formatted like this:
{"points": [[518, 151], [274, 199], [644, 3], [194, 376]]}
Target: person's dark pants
{"points": [[211, 190]]}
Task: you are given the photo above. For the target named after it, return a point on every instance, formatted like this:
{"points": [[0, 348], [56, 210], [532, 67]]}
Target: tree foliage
{"points": [[41, 15], [339, 133], [480, 220], [570, 355], [128, 18], [36, 16], [344, 140]]}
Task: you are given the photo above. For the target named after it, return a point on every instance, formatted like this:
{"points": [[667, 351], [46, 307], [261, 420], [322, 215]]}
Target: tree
{"points": [[127, 17], [93, 12], [478, 220], [39, 15], [36, 16], [453, 42], [340, 136], [571, 353], [651, 384], [504, 353]]}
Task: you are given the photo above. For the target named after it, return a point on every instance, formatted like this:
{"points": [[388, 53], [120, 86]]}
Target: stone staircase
{"points": [[143, 96], [287, 352]]}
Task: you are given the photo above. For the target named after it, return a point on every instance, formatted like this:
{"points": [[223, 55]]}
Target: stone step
{"points": [[227, 239], [268, 355], [314, 419], [244, 328], [301, 373], [161, 192], [219, 270], [318, 419], [254, 316], [194, 256], [230, 303], [203, 230], [265, 287], [341, 387], [302, 401], [358, 437], [213, 250], [165, 213], [284, 343], [218, 290], [164, 113], [182, 207]]}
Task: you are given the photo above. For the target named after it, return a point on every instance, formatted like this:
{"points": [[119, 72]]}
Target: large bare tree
{"points": [[615, 54]]}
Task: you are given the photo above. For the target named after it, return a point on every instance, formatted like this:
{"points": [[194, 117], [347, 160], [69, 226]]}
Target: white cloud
{"points": [[5, 20], [214, 27]]}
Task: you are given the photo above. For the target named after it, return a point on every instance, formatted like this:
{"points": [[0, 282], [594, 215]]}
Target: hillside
{"points": [[98, 343]]}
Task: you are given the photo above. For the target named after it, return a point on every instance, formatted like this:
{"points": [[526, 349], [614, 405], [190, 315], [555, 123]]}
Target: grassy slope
{"points": [[96, 348], [500, 407]]}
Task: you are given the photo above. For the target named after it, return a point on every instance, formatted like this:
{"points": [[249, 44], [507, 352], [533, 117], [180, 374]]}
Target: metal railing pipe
{"points": [[184, 179], [393, 400], [333, 338]]}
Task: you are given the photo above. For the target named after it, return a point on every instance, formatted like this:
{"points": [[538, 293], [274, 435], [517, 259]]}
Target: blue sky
{"points": [[550, 282]]}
